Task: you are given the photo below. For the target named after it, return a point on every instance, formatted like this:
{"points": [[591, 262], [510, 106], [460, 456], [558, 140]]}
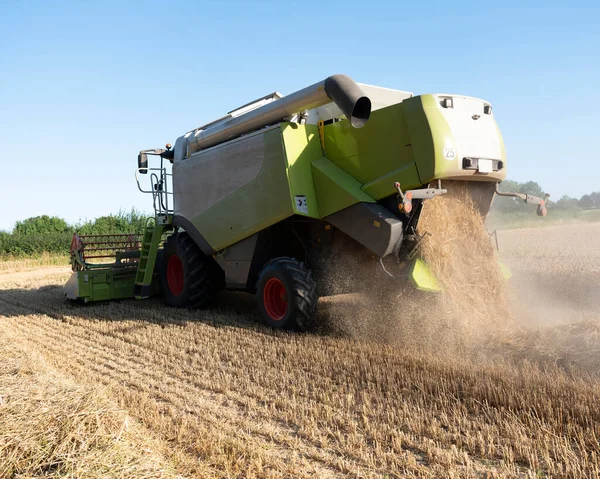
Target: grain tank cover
{"points": [[339, 89]]}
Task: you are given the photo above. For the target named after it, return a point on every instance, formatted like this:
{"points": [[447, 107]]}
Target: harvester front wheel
{"points": [[287, 294], [189, 278]]}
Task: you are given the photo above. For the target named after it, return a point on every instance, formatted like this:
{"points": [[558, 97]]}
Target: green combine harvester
{"points": [[269, 197]]}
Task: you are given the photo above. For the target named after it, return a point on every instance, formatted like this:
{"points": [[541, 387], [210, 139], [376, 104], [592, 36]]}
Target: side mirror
{"points": [[143, 163]]}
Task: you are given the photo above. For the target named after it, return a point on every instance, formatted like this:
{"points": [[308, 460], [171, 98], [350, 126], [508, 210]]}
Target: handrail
{"points": [[159, 191]]}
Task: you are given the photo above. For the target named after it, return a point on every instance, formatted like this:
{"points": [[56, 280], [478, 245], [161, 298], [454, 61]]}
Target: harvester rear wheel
{"points": [[189, 278], [287, 294]]}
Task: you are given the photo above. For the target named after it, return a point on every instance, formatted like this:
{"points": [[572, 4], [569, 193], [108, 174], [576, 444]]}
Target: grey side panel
{"points": [[190, 229], [372, 225], [204, 179], [236, 261]]}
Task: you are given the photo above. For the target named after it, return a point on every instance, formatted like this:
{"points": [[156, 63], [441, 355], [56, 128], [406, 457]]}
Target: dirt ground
{"points": [[215, 394], [556, 272]]}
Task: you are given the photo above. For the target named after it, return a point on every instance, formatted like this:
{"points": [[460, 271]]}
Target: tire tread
{"points": [[203, 285], [304, 289]]}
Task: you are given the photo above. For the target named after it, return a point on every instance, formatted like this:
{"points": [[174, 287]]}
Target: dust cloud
{"points": [[549, 311], [555, 292]]}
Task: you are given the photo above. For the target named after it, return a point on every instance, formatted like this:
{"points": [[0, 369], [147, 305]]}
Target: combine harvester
{"points": [[262, 199]]}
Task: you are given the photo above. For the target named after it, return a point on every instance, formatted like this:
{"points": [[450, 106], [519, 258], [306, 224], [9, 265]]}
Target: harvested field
{"points": [[215, 394], [55, 427]]}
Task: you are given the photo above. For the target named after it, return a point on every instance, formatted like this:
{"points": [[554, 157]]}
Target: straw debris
{"points": [[53, 427], [458, 250]]}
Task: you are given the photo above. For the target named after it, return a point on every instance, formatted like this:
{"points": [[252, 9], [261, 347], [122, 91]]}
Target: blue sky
{"points": [[85, 85]]}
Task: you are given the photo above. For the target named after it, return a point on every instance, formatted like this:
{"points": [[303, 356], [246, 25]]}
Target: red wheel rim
{"points": [[275, 299], [175, 275]]}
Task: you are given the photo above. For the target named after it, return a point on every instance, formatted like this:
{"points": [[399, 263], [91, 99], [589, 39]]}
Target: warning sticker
{"points": [[301, 204]]}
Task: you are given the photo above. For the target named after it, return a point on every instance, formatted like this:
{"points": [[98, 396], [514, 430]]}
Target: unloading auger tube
{"points": [[340, 89]]}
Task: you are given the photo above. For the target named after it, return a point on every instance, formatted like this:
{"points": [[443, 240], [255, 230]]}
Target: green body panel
{"points": [[145, 270], [406, 142], [122, 278], [314, 172], [302, 146], [335, 188], [506, 272], [109, 283], [429, 133], [422, 277], [384, 186], [373, 154], [432, 136], [101, 285], [259, 204]]}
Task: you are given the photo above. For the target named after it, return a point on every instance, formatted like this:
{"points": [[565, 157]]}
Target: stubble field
{"points": [[135, 389]]}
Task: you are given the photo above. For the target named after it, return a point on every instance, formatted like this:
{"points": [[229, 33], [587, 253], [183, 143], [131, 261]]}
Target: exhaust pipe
{"points": [[348, 96], [340, 89]]}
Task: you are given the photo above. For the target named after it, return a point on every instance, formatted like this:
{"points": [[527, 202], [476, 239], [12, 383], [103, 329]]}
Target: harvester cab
{"points": [[266, 198]]}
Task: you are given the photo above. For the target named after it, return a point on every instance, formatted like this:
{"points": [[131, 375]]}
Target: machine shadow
{"points": [[230, 309]]}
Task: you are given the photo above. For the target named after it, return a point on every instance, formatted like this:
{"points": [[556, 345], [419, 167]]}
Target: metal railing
{"points": [[159, 181], [87, 250]]}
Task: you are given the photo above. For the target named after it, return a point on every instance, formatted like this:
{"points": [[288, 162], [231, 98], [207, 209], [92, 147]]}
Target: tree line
{"points": [[51, 234]]}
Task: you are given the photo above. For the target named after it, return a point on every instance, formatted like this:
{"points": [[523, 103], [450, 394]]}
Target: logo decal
{"points": [[301, 204]]}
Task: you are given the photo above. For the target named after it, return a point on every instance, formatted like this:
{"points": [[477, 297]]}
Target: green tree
{"points": [[532, 188], [37, 235], [41, 225], [123, 222], [512, 205], [586, 201], [566, 203], [53, 235]]}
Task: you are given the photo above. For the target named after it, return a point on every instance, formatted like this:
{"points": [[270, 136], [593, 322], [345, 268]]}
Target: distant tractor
{"points": [[263, 199]]}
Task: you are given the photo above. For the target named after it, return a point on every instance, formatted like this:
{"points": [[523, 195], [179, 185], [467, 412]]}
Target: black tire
{"points": [[158, 268], [292, 283], [189, 278]]}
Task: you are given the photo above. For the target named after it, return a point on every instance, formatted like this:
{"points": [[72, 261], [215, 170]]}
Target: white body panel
{"points": [[475, 132]]}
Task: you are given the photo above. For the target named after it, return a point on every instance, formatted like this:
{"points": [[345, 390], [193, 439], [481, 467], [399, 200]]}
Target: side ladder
{"points": [[145, 270]]}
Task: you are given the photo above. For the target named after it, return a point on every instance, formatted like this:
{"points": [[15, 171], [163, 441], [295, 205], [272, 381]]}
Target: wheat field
{"points": [[136, 389]]}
